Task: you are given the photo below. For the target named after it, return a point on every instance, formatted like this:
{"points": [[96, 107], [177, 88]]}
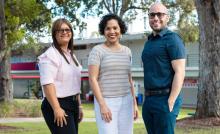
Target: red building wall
{"points": [[24, 66]]}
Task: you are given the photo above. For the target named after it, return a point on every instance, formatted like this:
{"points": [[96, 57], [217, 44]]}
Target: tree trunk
{"points": [[208, 104], [2, 30], [6, 93]]}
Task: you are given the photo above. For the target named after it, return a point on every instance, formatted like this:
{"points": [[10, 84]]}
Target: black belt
{"points": [[72, 97], [157, 92]]}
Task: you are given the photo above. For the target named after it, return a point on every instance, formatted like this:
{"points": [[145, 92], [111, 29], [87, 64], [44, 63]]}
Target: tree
{"points": [[188, 22], [18, 23], [5, 81], [75, 10], [128, 9], [208, 104]]}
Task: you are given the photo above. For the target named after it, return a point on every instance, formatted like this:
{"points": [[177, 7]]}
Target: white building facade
{"points": [[136, 43]]}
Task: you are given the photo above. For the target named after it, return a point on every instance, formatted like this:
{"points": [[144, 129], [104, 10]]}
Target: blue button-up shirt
{"points": [[157, 55]]}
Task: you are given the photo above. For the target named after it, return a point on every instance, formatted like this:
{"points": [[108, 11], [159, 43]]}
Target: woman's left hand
{"points": [[135, 112], [80, 114]]}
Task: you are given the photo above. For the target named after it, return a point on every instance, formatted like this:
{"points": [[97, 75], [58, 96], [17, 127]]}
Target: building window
{"points": [[80, 47]]}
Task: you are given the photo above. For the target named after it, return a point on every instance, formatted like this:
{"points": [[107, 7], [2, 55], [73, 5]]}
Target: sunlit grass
{"points": [[88, 109], [90, 128], [31, 108], [184, 112]]}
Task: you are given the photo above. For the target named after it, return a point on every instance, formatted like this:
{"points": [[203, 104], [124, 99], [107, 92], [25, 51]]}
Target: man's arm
{"points": [[179, 69]]}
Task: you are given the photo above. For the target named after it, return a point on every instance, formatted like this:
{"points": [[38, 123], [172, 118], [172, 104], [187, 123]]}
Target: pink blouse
{"points": [[54, 69]]}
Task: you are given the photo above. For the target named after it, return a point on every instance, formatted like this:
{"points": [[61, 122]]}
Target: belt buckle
{"points": [[160, 92], [74, 97], [147, 94]]}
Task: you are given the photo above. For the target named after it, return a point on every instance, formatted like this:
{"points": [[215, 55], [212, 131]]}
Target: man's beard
{"points": [[157, 30]]}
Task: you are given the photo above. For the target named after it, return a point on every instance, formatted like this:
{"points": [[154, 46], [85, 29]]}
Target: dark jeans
{"points": [[157, 117], [71, 108]]}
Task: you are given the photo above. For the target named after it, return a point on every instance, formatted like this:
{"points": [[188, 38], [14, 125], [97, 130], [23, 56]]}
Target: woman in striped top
{"points": [[111, 80]]}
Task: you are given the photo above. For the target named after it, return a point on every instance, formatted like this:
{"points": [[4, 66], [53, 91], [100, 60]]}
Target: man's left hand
{"points": [[171, 104]]}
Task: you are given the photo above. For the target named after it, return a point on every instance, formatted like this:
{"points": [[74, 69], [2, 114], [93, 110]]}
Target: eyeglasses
{"points": [[64, 30], [159, 15]]}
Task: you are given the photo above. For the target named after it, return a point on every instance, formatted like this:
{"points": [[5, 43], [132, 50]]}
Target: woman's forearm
{"points": [[96, 91], [50, 94], [132, 88]]}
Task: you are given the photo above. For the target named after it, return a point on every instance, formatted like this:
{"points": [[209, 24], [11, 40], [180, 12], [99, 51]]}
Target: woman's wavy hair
{"points": [[106, 18]]}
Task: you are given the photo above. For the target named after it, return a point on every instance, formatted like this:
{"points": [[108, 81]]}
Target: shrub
{"points": [[6, 109], [21, 108]]}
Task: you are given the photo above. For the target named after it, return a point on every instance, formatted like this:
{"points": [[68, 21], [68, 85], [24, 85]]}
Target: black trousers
{"points": [[71, 107]]}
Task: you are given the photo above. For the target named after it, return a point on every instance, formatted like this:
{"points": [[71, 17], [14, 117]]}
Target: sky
{"points": [[137, 26]]}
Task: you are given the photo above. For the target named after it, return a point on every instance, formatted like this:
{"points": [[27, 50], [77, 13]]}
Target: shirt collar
{"points": [[67, 51], [161, 33]]}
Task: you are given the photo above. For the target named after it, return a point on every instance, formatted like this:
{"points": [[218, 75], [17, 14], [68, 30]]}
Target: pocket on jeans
{"points": [[177, 106], [69, 105], [45, 104], [163, 103], [167, 106]]}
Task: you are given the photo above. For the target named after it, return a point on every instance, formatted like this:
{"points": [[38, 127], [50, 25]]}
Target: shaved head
{"points": [[158, 17], [158, 7]]}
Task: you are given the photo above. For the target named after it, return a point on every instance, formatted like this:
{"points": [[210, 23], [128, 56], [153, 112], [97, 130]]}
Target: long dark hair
{"points": [[56, 26]]}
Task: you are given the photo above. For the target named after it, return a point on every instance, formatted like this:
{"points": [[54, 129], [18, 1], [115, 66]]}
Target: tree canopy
{"points": [[25, 20], [183, 12], [30, 19]]}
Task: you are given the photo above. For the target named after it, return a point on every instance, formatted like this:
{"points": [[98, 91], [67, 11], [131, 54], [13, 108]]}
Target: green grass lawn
{"points": [[31, 108], [184, 112], [90, 128], [88, 109]]}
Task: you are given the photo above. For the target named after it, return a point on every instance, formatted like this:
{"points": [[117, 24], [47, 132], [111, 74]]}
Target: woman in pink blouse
{"points": [[60, 77]]}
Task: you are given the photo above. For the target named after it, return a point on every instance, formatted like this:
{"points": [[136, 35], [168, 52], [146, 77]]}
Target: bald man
{"points": [[163, 59]]}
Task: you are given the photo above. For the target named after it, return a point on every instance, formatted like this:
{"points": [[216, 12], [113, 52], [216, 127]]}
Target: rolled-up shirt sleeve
{"points": [[48, 68]]}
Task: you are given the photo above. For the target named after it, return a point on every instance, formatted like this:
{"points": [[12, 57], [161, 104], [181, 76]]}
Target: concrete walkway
{"points": [[41, 119]]}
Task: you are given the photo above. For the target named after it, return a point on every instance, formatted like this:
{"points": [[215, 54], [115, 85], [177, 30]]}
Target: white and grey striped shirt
{"points": [[114, 68]]}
